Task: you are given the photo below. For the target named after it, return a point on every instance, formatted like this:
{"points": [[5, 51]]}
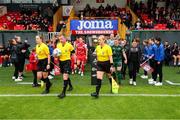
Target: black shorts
{"points": [[104, 66], [42, 64], [65, 66], [21, 65]]}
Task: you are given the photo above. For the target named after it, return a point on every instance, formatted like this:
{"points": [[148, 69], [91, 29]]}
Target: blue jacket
{"points": [[159, 52], [50, 49], [145, 51], [151, 50]]}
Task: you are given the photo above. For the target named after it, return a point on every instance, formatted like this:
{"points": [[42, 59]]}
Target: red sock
{"points": [[0, 60], [82, 67]]}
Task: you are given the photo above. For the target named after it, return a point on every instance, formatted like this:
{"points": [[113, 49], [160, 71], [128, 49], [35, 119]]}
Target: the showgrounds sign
{"points": [[94, 26]]}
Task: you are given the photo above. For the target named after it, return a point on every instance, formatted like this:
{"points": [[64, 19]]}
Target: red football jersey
{"points": [[81, 49], [33, 61]]}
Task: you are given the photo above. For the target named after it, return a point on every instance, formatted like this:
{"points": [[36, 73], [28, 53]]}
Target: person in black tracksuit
{"points": [[14, 57], [23, 47], [134, 55], [124, 66]]}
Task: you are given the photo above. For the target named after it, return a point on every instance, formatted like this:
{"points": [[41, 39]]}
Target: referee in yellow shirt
{"points": [[104, 63], [65, 63], [43, 65]]}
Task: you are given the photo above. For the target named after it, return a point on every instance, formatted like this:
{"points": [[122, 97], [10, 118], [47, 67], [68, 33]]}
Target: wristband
{"points": [[111, 64]]}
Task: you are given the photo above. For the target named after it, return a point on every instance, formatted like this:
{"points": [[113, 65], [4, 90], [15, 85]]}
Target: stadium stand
{"points": [[25, 21], [158, 18]]}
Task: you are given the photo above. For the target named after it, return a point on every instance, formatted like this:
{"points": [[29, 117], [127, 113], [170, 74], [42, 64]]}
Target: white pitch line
{"points": [[88, 95], [172, 83], [25, 83]]}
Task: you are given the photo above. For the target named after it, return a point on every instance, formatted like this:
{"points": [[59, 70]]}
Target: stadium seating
{"points": [[11, 19]]}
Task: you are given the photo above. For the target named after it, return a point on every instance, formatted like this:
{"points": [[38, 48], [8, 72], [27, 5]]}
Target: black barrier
{"points": [[5, 36], [93, 61]]}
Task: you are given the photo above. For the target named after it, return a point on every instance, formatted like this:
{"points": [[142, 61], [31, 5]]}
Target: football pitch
{"points": [[22, 101]]}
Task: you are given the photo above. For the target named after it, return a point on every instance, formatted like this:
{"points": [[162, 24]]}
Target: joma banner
{"points": [[94, 26]]}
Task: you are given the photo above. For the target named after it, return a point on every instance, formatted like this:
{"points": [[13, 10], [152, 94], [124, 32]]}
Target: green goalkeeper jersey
{"points": [[117, 53]]}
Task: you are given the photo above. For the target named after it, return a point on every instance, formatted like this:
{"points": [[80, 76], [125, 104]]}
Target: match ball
{"points": [[56, 52]]}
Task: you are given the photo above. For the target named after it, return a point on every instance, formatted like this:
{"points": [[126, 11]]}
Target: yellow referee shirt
{"points": [[42, 51], [65, 51], [103, 53]]}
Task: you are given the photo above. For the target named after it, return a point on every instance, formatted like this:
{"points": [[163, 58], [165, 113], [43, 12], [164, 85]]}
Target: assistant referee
{"points": [[43, 65], [104, 63]]}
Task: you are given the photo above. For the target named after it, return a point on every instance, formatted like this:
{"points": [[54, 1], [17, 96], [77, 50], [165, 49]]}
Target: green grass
{"points": [[124, 107]]}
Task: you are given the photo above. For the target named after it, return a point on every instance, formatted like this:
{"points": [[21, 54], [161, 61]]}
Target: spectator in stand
{"points": [[170, 24], [108, 8], [145, 25], [175, 54], [45, 25], [114, 7], [150, 25], [138, 24], [60, 25], [128, 19], [157, 15], [149, 4], [4, 27], [48, 13]]}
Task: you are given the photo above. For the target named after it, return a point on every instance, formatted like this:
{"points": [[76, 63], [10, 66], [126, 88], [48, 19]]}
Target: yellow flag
{"points": [[115, 86]]}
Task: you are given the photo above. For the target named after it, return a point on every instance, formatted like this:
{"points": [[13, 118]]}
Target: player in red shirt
{"points": [[81, 54], [73, 63], [73, 57], [76, 42]]}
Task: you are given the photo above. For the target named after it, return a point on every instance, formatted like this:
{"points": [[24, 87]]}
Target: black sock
{"points": [[110, 81], [43, 80], [114, 75], [65, 86], [69, 82], [48, 83], [98, 87]]}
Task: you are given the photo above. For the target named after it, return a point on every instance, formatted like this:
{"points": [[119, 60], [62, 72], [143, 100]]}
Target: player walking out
{"points": [[65, 63], [104, 63], [43, 65], [118, 54], [81, 53]]}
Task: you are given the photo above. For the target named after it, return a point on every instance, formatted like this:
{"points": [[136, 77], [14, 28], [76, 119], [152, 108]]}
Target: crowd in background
{"points": [[150, 14], [28, 19], [107, 11]]}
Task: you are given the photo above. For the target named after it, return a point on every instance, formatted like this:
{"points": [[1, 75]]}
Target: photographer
{"points": [[60, 25]]}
